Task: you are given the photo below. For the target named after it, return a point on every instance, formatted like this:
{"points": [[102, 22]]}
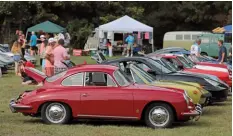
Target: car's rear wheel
{"points": [[55, 113], [159, 115]]}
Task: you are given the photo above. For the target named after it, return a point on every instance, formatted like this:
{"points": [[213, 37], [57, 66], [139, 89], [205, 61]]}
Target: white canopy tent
{"points": [[126, 24]]}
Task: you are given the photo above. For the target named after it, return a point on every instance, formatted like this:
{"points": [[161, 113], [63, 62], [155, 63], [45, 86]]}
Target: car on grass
{"points": [[9, 55], [139, 76], [6, 60], [103, 91], [162, 71], [183, 65]]}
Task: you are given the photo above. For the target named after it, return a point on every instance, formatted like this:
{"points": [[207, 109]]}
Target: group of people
{"points": [[51, 50], [222, 56]]}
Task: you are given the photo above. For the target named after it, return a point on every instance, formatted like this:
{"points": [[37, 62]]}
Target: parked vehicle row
{"points": [[152, 88]]}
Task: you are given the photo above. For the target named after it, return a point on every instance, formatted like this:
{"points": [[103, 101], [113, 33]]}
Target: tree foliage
{"points": [[81, 17]]}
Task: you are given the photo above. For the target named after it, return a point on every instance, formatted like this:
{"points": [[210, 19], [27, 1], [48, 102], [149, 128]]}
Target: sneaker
{"points": [[131, 55], [27, 82], [127, 55]]}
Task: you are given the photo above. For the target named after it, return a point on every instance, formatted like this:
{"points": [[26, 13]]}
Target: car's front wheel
{"points": [[159, 115], [55, 113]]}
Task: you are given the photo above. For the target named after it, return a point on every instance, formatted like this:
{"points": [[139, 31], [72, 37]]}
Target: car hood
{"points": [[186, 73], [183, 83], [6, 59], [211, 68], [35, 74], [156, 88], [10, 54]]}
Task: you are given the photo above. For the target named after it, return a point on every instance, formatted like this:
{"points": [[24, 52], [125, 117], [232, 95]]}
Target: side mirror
{"points": [[151, 72], [181, 67]]}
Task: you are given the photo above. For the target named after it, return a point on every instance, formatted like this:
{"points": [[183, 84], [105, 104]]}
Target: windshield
{"points": [[184, 62], [159, 67], [189, 61], [140, 74], [120, 78], [55, 77], [169, 64]]}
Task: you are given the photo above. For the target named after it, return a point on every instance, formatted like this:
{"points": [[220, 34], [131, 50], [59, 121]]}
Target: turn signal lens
{"points": [[195, 92]]}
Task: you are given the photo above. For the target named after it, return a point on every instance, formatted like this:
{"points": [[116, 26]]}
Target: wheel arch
{"points": [[152, 102], [47, 102]]}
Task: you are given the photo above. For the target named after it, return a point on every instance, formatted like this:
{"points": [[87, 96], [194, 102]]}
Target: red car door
{"points": [[101, 99]]}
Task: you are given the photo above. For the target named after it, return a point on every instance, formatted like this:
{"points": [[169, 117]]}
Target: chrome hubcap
{"points": [[55, 112], [158, 116]]}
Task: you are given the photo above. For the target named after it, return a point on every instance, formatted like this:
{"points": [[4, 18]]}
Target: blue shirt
{"points": [[222, 50], [130, 39], [33, 40]]}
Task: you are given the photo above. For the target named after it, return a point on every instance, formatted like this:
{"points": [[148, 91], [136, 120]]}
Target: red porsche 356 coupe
{"points": [[102, 91]]}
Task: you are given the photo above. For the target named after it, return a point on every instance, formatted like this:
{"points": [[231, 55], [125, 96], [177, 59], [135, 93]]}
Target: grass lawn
{"points": [[216, 119]]}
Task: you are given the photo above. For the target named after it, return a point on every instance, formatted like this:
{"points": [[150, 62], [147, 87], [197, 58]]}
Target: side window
{"points": [[73, 80], [214, 40], [179, 37], [187, 37], [98, 79], [194, 37], [143, 66], [174, 62], [205, 40]]}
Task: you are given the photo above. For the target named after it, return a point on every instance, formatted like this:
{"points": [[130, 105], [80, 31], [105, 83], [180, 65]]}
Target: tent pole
{"points": [[26, 35], [152, 43]]}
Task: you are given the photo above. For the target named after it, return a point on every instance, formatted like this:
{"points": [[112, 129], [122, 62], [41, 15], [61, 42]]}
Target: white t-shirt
{"points": [[61, 36], [195, 50]]}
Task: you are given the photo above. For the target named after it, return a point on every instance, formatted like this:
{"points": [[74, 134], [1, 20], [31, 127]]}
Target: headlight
{"points": [[212, 82]]}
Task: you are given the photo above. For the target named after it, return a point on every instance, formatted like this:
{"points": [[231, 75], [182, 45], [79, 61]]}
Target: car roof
{"points": [[129, 59], [93, 67], [168, 55]]}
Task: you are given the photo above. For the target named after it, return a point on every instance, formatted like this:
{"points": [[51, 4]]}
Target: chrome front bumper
{"points": [[194, 114]]}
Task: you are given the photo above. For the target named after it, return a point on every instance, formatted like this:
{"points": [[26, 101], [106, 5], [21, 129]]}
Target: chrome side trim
{"points": [[102, 116]]}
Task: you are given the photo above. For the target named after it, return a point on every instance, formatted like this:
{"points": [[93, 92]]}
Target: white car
{"points": [[28, 57]]}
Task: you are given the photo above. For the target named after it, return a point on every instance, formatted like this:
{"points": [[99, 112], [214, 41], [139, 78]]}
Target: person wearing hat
{"points": [[195, 48], [49, 57]]}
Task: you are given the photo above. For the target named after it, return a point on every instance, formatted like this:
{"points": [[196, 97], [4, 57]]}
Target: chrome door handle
{"points": [[84, 95]]}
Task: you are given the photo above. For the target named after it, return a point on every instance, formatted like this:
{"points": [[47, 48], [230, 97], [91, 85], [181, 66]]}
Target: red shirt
{"points": [[29, 64]]}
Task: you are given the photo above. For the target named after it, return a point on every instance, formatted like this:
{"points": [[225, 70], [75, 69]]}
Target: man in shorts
{"points": [[33, 43], [130, 41]]}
